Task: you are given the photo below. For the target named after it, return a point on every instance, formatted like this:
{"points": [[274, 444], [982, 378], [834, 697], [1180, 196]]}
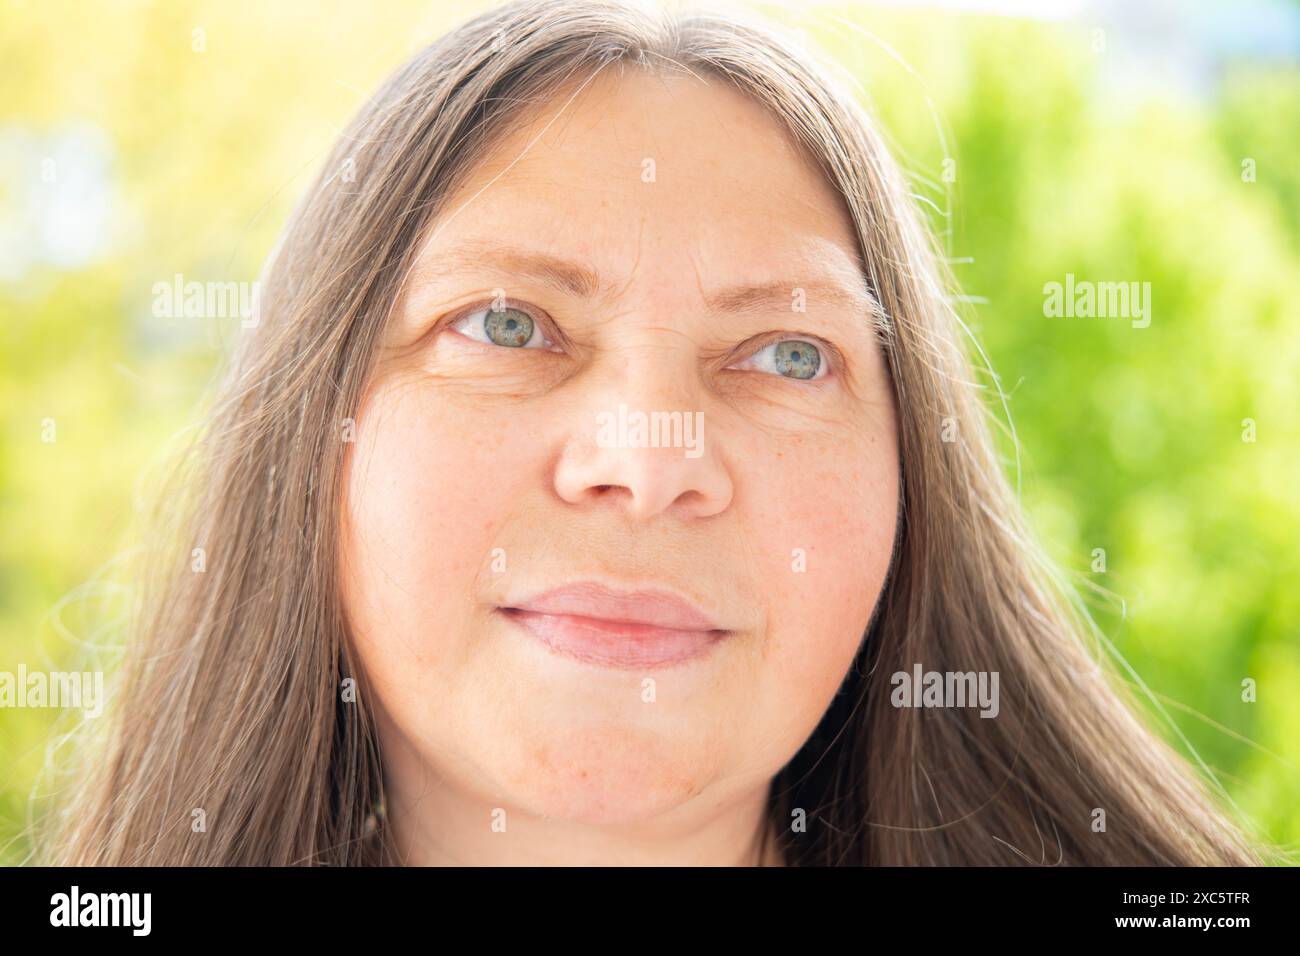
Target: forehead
{"points": [[644, 173]]}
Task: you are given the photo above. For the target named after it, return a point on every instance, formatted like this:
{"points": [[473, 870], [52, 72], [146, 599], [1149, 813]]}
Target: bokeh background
{"points": [[1146, 142]]}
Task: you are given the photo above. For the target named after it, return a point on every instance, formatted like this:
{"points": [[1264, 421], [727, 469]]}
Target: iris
{"points": [[509, 327], [797, 359]]}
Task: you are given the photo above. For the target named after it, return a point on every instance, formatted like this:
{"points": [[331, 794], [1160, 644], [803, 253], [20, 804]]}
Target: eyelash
{"points": [[832, 360]]}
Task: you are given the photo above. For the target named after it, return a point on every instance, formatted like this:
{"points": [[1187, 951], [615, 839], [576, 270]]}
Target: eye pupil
{"points": [[509, 328], [797, 359]]}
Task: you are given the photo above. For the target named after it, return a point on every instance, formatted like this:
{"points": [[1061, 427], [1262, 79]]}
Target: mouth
{"points": [[637, 630]]}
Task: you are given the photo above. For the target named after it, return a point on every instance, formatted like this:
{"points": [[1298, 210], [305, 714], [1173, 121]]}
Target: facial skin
{"points": [[464, 446]]}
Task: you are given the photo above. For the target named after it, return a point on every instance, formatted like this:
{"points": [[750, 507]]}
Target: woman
{"points": [[604, 482]]}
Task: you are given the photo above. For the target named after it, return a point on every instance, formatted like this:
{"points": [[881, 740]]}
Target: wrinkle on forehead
{"points": [[734, 199]]}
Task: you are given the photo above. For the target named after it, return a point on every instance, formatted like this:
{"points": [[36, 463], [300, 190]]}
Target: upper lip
{"points": [[657, 607]]}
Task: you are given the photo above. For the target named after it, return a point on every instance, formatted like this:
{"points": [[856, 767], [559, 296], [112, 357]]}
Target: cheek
{"points": [[832, 515], [415, 530], [410, 506]]}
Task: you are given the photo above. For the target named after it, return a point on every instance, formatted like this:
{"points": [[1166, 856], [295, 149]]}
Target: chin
{"points": [[604, 776]]}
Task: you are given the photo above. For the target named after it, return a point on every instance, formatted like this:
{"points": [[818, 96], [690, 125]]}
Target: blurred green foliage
{"points": [[1030, 149]]}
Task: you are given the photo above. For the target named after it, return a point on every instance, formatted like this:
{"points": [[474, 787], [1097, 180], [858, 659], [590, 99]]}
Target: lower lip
{"points": [[619, 644]]}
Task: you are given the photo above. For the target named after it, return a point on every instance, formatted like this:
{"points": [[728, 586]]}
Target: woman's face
{"points": [[654, 246]]}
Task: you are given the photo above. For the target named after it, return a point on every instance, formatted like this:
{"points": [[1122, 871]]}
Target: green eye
{"points": [[509, 328], [796, 358], [791, 358]]}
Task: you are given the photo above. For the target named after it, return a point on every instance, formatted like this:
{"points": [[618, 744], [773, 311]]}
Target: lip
{"points": [[600, 625]]}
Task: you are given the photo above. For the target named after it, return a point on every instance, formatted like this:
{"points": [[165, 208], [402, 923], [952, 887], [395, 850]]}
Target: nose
{"points": [[642, 443]]}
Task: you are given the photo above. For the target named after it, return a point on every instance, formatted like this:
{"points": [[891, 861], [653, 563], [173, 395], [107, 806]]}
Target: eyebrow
{"points": [[579, 280]]}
